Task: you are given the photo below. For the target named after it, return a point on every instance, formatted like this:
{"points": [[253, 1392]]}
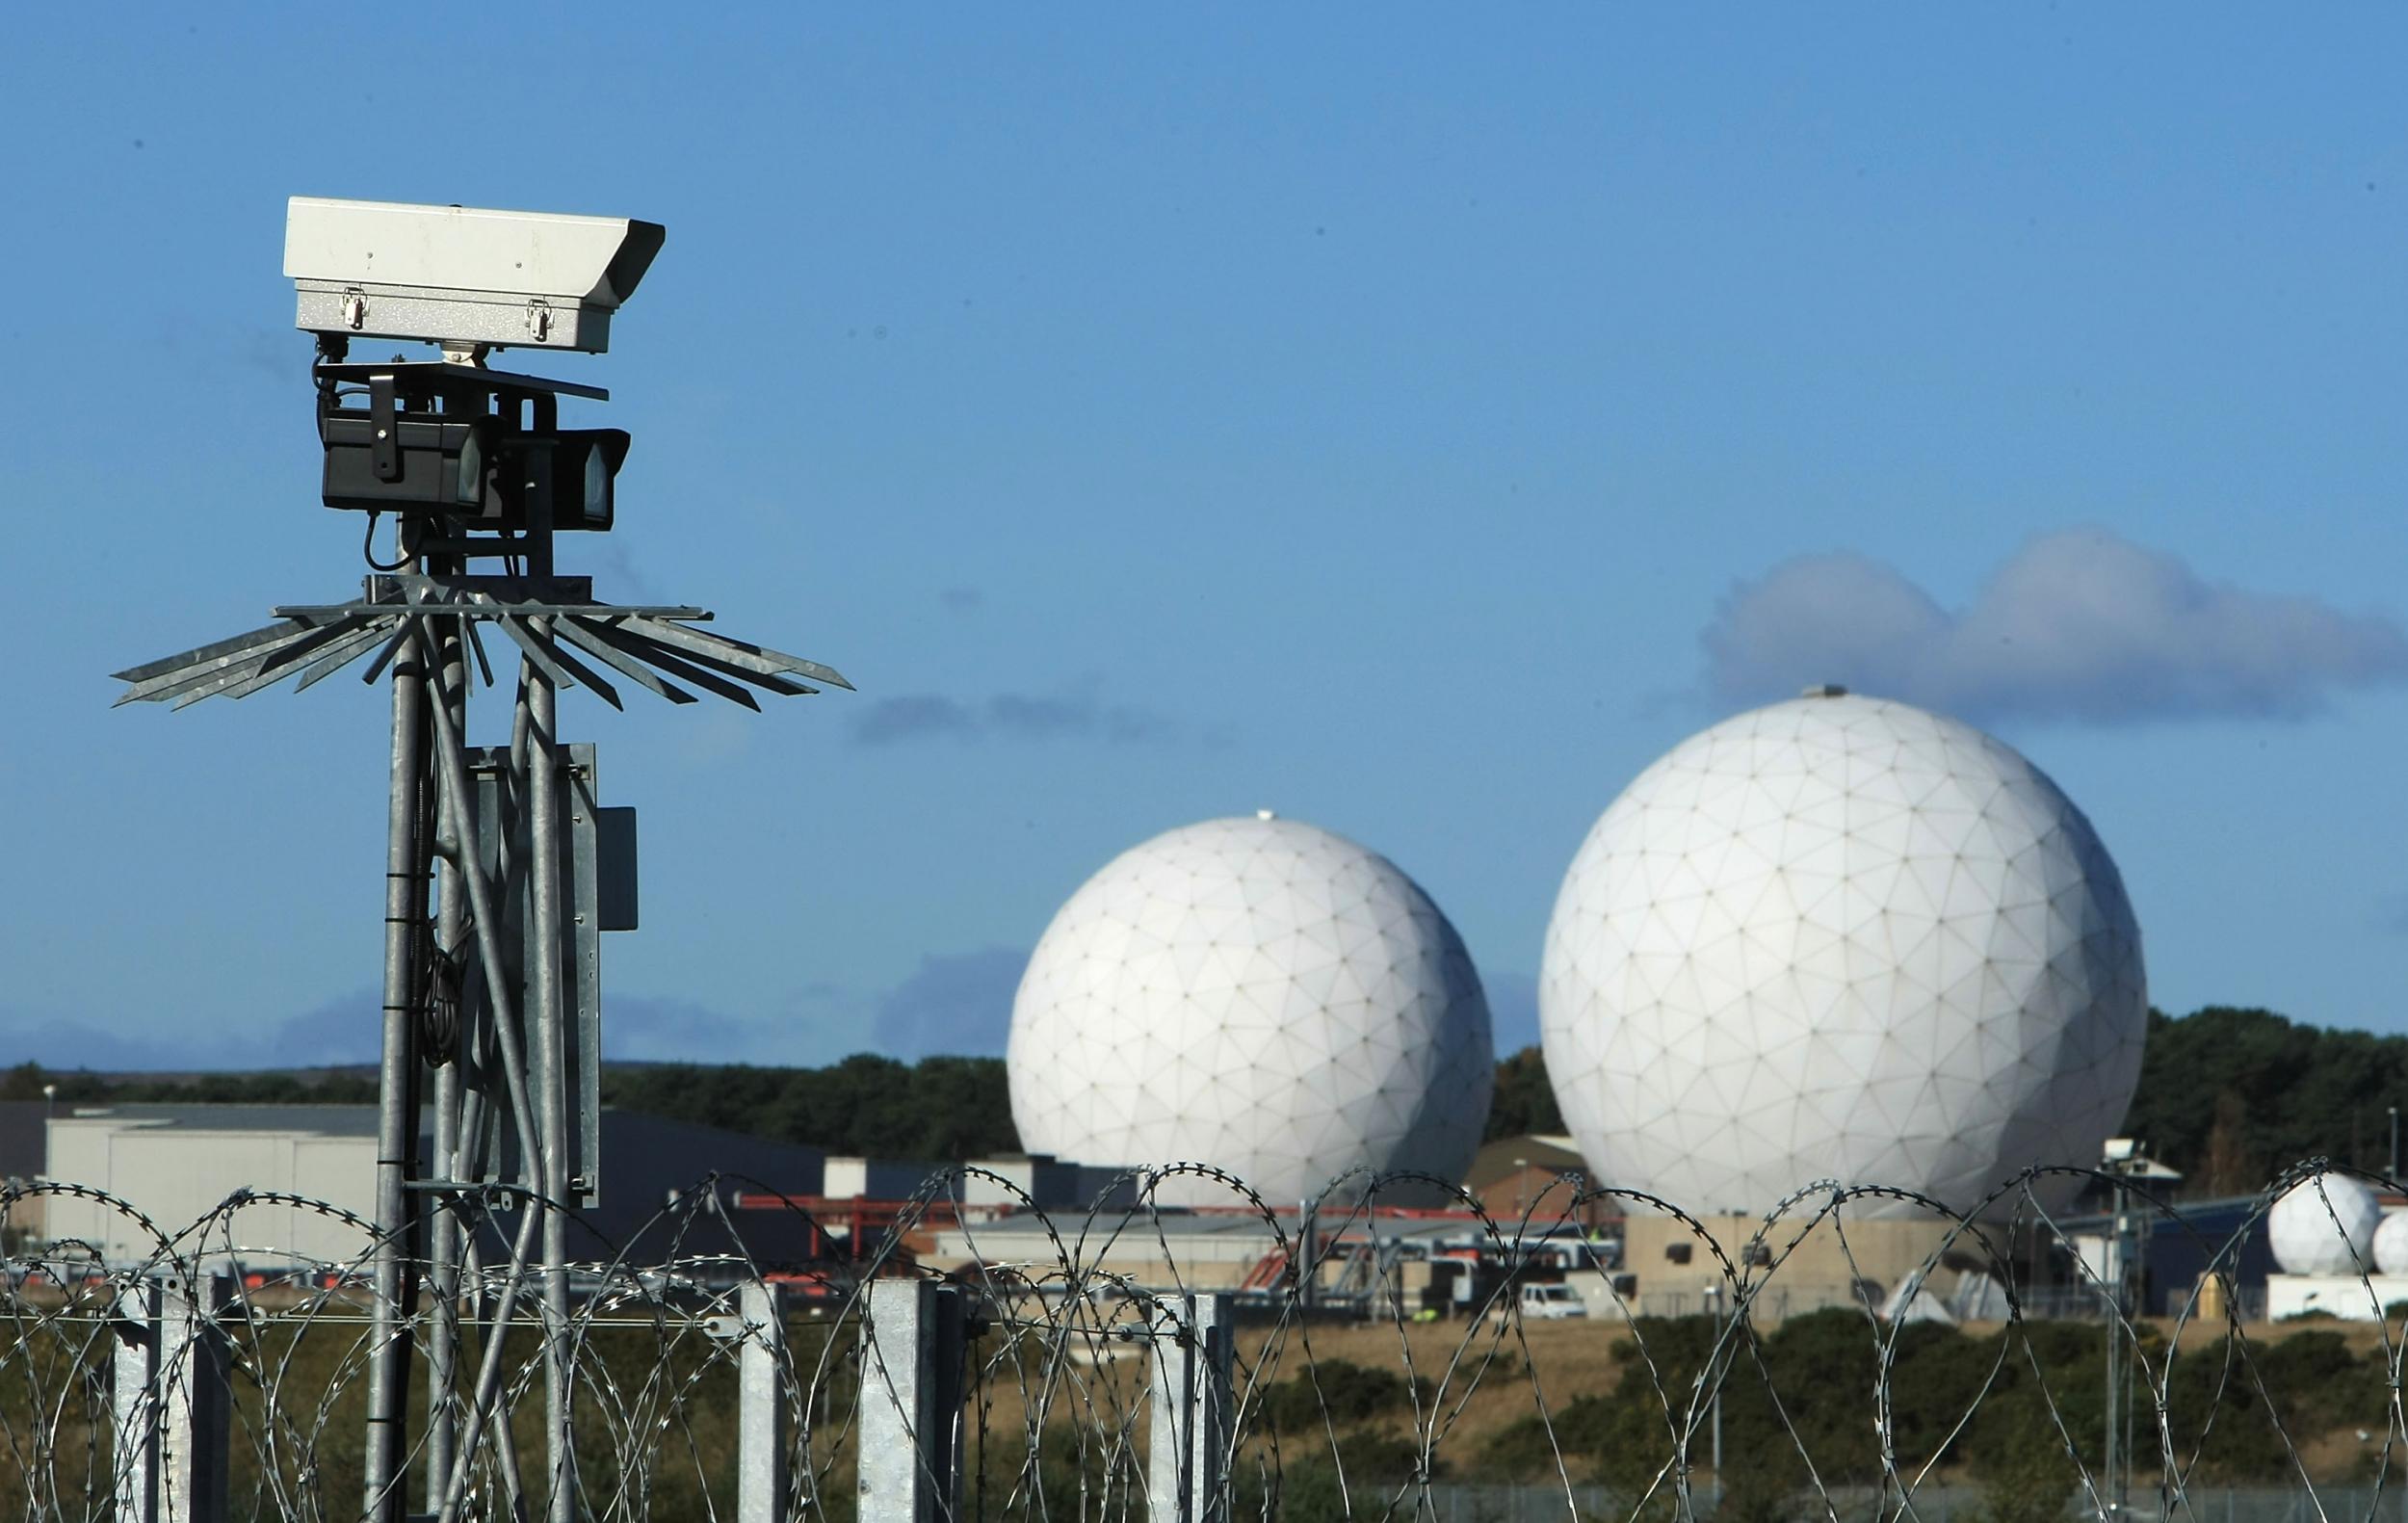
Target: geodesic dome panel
{"points": [[2391, 1243], [1259, 995], [1840, 938], [2324, 1224]]}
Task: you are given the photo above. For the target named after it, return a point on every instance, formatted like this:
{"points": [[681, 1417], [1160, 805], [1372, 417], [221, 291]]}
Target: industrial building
{"points": [[1538, 1176], [190, 1173], [22, 1145], [1367, 1261]]}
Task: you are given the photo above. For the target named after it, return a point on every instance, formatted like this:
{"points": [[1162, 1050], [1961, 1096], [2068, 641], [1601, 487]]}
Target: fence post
{"points": [[171, 1406], [1194, 1363], [911, 1358], [761, 1414], [133, 1415]]}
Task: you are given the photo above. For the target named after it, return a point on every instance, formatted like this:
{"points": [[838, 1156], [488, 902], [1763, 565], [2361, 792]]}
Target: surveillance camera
{"points": [[463, 276]]}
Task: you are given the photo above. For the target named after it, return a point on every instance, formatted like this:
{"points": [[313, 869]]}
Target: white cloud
{"points": [[2076, 625], [1004, 716], [956, 1003], [343, 1030]]}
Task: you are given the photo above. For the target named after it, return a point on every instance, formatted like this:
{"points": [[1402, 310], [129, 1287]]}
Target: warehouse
{"points": [[186, 1174]]}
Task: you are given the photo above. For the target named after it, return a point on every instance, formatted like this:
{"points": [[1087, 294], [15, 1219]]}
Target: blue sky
{"points": [[1411, 421]]}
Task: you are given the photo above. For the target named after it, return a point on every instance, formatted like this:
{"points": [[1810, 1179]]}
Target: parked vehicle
{"points": [[1551, 1302]]}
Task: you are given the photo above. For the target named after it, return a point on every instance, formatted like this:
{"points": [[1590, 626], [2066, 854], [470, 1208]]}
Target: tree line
{"points": [[2228, 1097]]}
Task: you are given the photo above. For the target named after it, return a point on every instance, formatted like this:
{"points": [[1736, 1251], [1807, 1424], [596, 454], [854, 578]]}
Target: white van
{"points": [[1552, 1302]]}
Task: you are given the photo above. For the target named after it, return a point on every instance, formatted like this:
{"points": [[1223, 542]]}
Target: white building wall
{"points": [[876, 1178], [2343, 1295], [1051, 1183], [178, 1165], [180, 1178], [340, 1171]]}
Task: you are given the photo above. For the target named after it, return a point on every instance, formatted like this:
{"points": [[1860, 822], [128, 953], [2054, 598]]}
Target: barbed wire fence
{"points": [[1858, 1353]]}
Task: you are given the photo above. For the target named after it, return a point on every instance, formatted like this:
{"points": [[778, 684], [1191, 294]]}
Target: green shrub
{"points": [[1340, 1394]]}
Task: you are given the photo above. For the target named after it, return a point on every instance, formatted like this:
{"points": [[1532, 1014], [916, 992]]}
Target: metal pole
{"points": [[1194, 1368], [2113, 1466], [1722, 1368], [443, 1248], [2393, 1175], [761, 1416], [396, 1122], [911, 1403], [542, 789], [1307, 1262]]}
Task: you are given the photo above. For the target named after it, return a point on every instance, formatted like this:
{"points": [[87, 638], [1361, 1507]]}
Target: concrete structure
{"points": [[1858, 1261], [1840, 938], [1257, 995], [178, 1165]]}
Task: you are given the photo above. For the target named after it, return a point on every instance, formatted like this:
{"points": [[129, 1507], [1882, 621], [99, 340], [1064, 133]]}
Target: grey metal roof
{"points": [[328, 1120]]}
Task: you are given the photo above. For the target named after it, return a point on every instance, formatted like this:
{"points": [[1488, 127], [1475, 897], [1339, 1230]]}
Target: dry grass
{"points": [[657, 1417]]}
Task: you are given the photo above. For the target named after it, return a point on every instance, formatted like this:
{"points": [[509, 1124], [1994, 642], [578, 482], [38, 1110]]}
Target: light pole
{"points": [[2114, 1466], [1714, 1366], [2123, 1159]]}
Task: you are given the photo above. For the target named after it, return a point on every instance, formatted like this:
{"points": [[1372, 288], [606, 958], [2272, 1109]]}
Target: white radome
{"points": [[1840, 938], [2324, 1224], [1258, 995], [2391, 1243]]}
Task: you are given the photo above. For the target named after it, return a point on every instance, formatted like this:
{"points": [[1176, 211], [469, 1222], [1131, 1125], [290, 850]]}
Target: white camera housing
{"points": [[463, 276]]}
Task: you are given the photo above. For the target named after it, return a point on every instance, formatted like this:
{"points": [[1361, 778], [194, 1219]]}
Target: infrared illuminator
{"points": [[474, 460]]}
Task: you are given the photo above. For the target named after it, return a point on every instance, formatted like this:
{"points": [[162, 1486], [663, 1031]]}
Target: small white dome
{"points": [[2391, 1243], [2324, 1224]]}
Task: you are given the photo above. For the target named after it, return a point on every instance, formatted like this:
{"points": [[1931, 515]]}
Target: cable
{"points": [[368, 543]]}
